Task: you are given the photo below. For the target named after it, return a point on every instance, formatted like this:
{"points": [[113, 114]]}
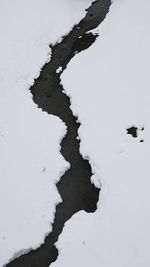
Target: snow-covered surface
{"points": [[109, 85], [30, 161]]}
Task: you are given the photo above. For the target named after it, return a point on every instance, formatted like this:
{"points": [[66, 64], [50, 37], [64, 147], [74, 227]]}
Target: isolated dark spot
{"points": [[132, 131], [91, 15], [141, 141]]}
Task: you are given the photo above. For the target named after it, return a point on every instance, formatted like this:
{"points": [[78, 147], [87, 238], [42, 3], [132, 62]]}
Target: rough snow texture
{"points": [[109, 86], [30, 159]]}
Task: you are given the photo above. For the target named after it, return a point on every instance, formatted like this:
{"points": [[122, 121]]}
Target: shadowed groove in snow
{"points": [[75, 187]]}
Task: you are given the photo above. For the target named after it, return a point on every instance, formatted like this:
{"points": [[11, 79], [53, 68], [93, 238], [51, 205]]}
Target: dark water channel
{"points": [[75, 187]]}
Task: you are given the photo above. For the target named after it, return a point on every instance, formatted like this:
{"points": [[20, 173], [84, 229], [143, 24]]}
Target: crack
{"points": [[75, 187]]}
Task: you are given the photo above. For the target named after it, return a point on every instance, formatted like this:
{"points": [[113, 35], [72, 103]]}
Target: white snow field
{"points": [[30, 159], [109, 86]]}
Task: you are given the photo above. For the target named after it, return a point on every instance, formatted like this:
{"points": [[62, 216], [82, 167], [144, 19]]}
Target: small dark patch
{"points": [[132, 131], [141, 141]]}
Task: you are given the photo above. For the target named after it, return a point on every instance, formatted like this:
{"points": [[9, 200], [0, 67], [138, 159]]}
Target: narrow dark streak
{"points": [[75, 187]]}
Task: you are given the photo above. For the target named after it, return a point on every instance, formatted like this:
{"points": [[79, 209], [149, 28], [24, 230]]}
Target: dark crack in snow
{"points": [[75, 187]]}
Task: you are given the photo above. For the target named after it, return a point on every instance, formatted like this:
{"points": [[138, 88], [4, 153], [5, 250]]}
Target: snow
{"points": [[30, 159], [109, 89], [59, 69]]}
